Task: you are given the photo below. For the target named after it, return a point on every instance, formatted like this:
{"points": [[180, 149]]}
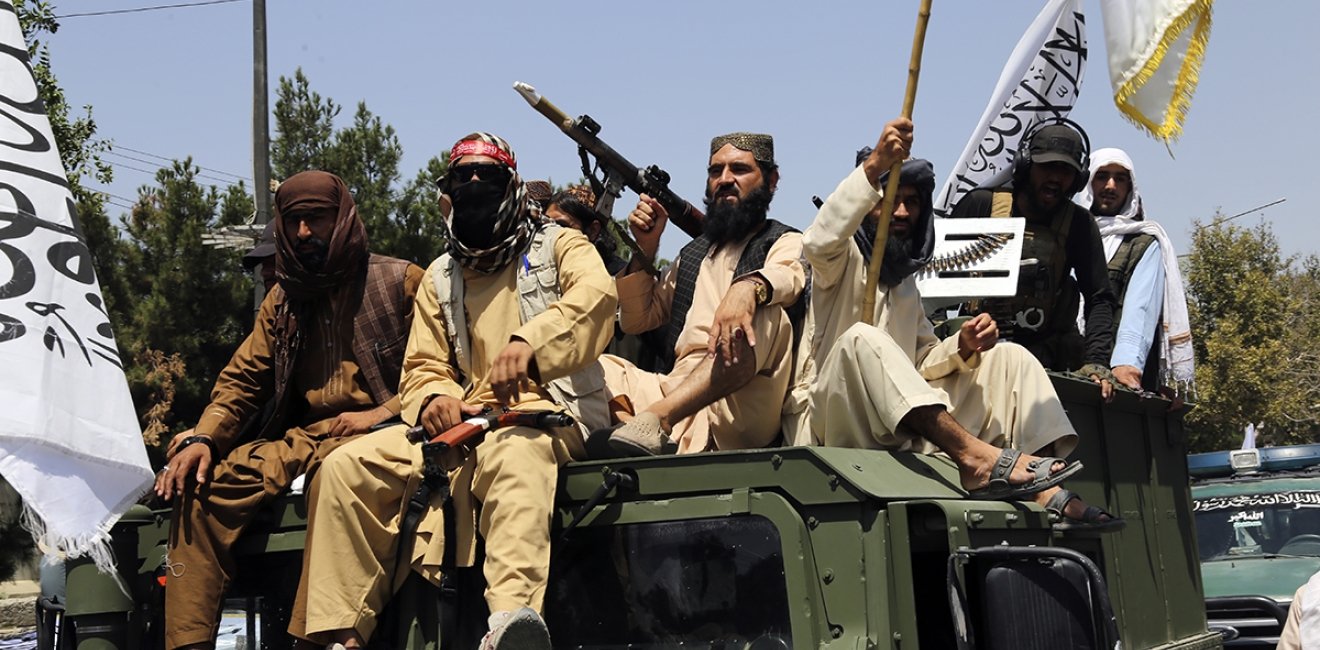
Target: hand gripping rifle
{"points": [[618, 172], [436, 479]]}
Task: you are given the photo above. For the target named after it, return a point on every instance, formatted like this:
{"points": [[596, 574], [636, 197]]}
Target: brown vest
{"points": [[382, 318]]}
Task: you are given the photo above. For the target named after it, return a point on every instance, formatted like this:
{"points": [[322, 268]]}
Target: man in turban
{"points": [[327, 349], [513, 314], [894, 385]]}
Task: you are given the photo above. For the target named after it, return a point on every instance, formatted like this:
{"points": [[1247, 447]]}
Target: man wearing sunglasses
{"points": [[513, 314], [724, 307], [326, 351]]}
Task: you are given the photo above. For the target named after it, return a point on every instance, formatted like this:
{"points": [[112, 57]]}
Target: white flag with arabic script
{"points": [[70, 442], [1041, 80]]}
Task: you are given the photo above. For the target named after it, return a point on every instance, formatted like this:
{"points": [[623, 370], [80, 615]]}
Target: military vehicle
{"points": [[1258, 524], [796, 547]]}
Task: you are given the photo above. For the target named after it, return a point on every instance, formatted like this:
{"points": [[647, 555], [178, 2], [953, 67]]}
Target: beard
{"points": [[727, 222], [899, 247], [314, 258]]}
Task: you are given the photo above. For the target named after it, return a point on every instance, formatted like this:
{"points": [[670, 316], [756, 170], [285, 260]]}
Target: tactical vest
{"points": [[1121, 267], [752, 258], [1124, 263], [1045, 290], [582, 393]]}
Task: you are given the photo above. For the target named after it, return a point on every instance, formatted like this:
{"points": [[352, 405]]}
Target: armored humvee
{"points": [[798, 547]]}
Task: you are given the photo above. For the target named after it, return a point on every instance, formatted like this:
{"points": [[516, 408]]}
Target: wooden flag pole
{"points": [[891, 188]]}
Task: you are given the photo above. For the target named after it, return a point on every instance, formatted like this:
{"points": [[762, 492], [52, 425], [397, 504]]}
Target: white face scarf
{"points": [[1175, 335]]}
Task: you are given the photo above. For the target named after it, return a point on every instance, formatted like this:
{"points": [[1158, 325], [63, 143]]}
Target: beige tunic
{"points": [[869, 378], [749, 417], [503, 489]]}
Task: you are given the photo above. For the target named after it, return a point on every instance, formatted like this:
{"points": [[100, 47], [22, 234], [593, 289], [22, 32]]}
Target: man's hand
{"points": [[1100, 374], [733, 321], [444, 412], [510, 373], [894, 146], [356, 422], [195, 460], [646, 222], [1129, 376], [174, 443], [977, 335]]}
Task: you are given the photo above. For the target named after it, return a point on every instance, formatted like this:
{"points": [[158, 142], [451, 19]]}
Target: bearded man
{"points": [[895, 385], [514, 314], [1143, 271], [723, 305], [1063, 240], [327, 348]]}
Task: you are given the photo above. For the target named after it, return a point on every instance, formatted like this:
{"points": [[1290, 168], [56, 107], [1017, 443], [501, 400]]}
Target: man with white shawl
{"points": [[1153, 342]]}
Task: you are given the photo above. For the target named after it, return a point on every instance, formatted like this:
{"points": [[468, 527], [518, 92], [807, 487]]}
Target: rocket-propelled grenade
{"points": [[652, 181]]}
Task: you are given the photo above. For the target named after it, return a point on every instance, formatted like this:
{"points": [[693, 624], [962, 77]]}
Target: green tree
{"points": [[1239, 301], [191, 300], [304, 127], [418, 215], [366, 155], [400, 221]]}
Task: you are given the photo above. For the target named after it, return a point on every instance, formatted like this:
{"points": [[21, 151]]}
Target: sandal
{"points": [[1093, 520], [999, 489]]}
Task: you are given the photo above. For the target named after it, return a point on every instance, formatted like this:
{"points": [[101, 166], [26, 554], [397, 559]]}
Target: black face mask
{"points": [[313, 259], [475, 206]]}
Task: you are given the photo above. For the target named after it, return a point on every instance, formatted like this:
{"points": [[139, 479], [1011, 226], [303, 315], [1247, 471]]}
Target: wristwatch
{"points": [[762, 293], [205, 440]]}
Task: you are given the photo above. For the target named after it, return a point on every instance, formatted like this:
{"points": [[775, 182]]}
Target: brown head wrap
{"points": [[347, 256], [540, 192], [760, 145]]}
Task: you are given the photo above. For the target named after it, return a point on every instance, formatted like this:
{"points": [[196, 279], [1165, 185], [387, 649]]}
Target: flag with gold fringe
{"points": [[1155, 53]]}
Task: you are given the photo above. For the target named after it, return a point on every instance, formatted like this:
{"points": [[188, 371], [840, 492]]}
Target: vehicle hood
{"points": [[1276, 578]]}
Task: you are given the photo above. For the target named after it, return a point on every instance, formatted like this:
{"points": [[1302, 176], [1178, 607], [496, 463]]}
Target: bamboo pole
{"points": [[891, 188]]}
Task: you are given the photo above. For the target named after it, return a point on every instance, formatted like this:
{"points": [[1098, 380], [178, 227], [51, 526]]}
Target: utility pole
{"points": [[260, 137]]}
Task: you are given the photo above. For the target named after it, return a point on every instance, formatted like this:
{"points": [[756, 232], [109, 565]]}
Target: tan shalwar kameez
{"points": [[870, 377], [749, 417], [210, 519], [504, 489]]}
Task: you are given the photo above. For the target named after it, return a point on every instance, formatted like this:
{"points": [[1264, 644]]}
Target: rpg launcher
{"points": [[618, 172]]}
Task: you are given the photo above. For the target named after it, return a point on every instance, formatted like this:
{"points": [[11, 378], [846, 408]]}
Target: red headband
{"points": [[480, 148]]}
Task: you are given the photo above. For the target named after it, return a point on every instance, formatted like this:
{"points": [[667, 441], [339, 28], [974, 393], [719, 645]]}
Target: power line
{"points": [[152, 162], [181, 5], [167, 158], [1216, 222]]}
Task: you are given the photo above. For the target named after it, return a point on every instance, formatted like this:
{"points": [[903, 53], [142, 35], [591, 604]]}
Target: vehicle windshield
{"points": [[1258, 525]]}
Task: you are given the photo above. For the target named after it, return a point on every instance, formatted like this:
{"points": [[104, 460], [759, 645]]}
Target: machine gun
{"points": [[618, 172]]}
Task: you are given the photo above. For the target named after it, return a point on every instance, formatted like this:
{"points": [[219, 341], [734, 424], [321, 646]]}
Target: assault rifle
{"points": [[487, 420], [618, 171]]}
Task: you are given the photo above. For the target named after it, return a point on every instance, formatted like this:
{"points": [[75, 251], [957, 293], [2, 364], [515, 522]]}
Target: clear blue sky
{"points": [[662, 78]]}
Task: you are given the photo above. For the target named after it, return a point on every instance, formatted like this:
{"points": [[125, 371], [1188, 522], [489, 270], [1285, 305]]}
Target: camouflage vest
{"points": [[582, 393]]}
